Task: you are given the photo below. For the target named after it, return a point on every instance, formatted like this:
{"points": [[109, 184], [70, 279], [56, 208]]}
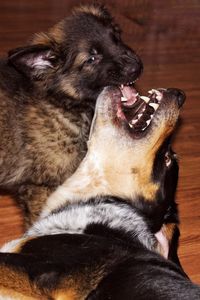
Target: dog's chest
{"points": [[55, 139]]}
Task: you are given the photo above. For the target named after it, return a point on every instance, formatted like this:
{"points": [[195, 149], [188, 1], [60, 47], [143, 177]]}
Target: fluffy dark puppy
{"points": [[100, 242], [47, 96]]}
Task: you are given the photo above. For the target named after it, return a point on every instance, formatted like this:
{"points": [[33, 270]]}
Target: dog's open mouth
{"points": [[138, 111]]}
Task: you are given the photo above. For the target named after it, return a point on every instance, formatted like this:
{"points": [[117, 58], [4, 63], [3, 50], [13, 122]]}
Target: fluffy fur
{"points": [[48, 91], [104, 247]]}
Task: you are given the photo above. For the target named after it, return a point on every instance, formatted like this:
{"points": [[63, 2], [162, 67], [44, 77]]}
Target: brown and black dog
{"points": [[48, 91], [98, 239]]}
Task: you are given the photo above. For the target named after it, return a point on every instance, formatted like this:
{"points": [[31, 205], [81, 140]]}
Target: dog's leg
{"points": [[14, 282], [31, 199], [28, 277]]}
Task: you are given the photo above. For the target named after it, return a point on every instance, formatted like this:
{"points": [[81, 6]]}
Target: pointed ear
{"points": [[34, 61]]}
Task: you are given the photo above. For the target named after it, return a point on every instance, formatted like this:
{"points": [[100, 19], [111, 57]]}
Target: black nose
{"points": [[134, 68], [179, 94]]}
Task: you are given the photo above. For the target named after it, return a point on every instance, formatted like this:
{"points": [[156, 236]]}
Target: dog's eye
{"points": [[168, 159], [91, 59]]}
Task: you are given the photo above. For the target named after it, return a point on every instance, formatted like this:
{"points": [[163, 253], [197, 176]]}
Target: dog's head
{"points": [[79, 56], [130, 140]]}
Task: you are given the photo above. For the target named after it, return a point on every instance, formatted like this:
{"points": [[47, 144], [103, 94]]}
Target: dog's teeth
{"points": [[148, 122], [158, 97], [144, 108], [134, 121], [123, 99], [122, 86], [150, 92], [154, 105], [131, 125], [154, 91], [145, 98], [139, 115], [144, 128]]}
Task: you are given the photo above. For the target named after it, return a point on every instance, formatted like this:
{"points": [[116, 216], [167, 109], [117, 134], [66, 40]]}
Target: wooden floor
{"points": [[166, 34]]}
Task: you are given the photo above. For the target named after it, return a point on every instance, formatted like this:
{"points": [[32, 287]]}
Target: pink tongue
{"points": [[130, 94]]}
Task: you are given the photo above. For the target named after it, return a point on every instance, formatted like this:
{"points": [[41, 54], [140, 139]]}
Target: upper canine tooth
{"points": [[145, 98], [123, 99], [131, 125], [154, 105], [122, 86]]}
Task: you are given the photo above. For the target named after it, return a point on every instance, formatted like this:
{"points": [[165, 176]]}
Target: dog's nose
{"points": [[134, 67], [136, 70], [179, 94]]}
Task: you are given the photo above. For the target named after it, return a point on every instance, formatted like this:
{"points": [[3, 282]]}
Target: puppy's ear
{"points": [[33, 61]]}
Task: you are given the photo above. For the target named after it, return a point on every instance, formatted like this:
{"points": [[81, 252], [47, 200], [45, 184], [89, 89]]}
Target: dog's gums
{"points": [[138, 111]]}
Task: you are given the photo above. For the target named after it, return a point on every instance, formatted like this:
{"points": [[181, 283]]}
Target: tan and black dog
{"points": [[100, 243], [48, 91]]}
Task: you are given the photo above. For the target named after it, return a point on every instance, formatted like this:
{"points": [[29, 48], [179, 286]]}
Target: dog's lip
{"points": [[138, 111]]}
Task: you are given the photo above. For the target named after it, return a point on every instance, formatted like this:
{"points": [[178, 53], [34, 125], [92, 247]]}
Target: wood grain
{"points": [[166, 34]]}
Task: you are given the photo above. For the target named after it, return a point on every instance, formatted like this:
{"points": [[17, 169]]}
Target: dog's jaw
{"points": [[116, 163]]}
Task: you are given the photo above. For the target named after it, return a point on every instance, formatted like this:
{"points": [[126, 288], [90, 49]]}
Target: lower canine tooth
{"points": [[146, 99], [131, 125], [148, 122], [154, 105], [139, 116]]}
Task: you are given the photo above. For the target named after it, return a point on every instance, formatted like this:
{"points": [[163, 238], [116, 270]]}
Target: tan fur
{"points": [[55, 33], [168, 230], [66, 85], [16, 284], [88, 9], [66, 295], [115, 165]]}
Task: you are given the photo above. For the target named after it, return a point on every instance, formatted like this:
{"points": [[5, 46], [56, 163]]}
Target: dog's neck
{"points": [[112, 213], [101, 216], [92, 179]]}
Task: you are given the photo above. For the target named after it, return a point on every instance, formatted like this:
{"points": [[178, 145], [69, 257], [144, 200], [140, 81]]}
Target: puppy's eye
{"points": [[91, 59], [168, 159]]}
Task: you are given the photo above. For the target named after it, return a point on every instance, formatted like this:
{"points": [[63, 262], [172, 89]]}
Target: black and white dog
{"points": [[104, 232]]}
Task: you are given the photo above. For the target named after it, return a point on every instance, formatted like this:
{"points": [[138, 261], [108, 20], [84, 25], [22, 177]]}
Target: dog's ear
{"points": [[33, 61]]}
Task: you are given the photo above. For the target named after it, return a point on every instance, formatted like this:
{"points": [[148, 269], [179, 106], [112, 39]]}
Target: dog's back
{"points": [[99, 250]]}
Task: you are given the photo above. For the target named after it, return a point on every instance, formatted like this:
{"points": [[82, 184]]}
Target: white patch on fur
{"points": [[11, 246], [162, 239], [75, 219]]}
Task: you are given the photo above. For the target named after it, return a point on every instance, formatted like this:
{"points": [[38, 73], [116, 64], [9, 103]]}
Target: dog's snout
{"points": [[133, 68], [179, 94], [133, 64]]}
